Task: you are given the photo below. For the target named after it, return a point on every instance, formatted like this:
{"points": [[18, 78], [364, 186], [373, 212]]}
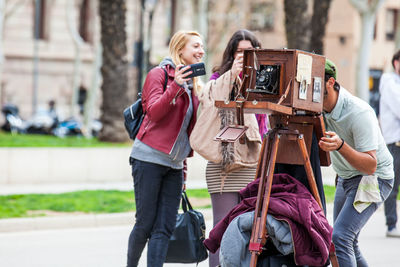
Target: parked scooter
{"points": [[13, 122], [69, 127], [42, 122], [72, 127], [45, 122]]}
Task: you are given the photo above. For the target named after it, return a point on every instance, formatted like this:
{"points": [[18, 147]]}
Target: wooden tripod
{"points": [[265, 171], [291, 131]]}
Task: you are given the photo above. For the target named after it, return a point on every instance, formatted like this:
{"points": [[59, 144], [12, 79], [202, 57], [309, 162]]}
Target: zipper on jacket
{"points": [[291, 233], [145, 128], [184, 91], [173, 101]]}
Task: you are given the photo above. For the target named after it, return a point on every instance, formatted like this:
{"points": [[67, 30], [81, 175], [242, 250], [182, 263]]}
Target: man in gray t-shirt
{"points": [[362, 161]]}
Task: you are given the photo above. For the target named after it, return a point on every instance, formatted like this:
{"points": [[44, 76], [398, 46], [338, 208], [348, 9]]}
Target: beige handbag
{"points": [[202, 137], [235, 155]]}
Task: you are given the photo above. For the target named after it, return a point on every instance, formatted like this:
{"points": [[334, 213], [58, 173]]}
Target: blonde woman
{"points": [[161, 146]]}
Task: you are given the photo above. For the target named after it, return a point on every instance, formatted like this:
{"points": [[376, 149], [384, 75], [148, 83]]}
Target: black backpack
{"points": [[133, 115]]}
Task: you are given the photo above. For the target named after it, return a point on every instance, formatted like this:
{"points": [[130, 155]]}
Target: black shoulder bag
{"points": [[133, 115], [186, 242]]}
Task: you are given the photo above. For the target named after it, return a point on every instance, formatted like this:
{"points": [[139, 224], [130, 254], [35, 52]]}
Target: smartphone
{"points": [[198, 69]]}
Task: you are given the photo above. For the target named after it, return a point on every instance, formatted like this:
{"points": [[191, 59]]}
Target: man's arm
{"points": [[365, 162]]}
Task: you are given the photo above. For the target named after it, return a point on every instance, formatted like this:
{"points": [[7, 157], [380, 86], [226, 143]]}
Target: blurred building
{"points": [[44, 67], [55, 52]]}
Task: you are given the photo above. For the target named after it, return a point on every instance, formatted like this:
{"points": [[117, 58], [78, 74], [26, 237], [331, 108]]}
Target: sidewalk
{"points": [[14, 233], [196, 180], [379, 250], [102, 241]]}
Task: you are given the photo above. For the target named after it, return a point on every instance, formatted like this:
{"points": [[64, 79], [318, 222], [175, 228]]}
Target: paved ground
{"points": [[101, 240], [103, 246]]}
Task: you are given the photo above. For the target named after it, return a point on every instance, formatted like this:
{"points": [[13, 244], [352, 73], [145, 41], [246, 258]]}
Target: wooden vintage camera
{"points": [[289, 85], [293, 78]]}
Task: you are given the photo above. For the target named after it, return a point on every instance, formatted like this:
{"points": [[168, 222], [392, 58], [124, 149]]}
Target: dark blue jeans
{"points": [[390, 202], [347, 222], [157, 194]]}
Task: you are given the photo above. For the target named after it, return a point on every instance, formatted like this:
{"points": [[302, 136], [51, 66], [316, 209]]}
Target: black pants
{"points": [[157, 194], [390, 203]]}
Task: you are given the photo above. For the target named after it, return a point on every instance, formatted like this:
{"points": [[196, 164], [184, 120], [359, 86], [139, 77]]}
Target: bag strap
{"points": [[185, 202], [166, 78]]}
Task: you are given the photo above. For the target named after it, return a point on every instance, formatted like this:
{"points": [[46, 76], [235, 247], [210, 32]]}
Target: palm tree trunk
{"points": [[114, 70], [296, 24], [318, 25]]}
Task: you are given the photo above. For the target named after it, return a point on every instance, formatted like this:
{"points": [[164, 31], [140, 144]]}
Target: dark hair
{"points": [[396, 57], [336, 86], [228, 57]]}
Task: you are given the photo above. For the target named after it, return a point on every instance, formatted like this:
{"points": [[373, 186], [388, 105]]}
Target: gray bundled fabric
{"points": [[279, 232], [234, 250]]}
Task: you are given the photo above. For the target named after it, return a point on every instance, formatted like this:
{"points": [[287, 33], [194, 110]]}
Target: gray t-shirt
{"points": [[355, 121]]}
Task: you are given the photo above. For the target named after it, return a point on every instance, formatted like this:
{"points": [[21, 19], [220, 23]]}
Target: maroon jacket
{"points": [[165, 111], [290, 201]]}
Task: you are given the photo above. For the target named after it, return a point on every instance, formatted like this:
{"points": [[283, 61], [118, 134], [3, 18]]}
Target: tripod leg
{"points": [[314, 191], [308, 168], [261, 164], [259, 231]]}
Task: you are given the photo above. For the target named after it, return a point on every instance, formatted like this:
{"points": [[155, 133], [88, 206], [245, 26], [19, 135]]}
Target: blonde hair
{"points": [[177, 43]]}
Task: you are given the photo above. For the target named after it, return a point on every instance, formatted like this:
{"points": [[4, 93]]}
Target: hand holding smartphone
{"points": [[197, 69]]}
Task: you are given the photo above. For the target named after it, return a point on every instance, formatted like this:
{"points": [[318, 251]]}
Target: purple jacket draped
{"points": [[290, 201]]}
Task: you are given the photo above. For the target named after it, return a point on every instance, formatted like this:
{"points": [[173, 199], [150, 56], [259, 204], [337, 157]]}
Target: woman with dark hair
{"points": [[240, 40], [231, 166], [233, 60]]}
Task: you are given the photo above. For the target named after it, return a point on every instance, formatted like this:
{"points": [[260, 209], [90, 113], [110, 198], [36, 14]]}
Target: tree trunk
{"points": [[200, 22], [2, 20], [78, 43], [318, 25], [367, 10], [296, 24], [397, 42], [148, 44], [88, 114], [114, 70], [362, 65]]}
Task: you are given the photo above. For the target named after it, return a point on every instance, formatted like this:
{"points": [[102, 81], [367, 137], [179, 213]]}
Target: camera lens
{"points": [[267, 79]]}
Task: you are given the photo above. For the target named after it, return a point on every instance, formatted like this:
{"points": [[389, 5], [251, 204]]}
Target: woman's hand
{"points": [[237, 65], [180, 76], [330, 142]]}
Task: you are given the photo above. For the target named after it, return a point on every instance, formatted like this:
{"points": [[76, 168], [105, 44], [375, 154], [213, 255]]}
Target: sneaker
{"points": [[393, 233]]}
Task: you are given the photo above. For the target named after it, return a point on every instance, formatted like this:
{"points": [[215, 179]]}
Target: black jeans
{"points": [[157, 194]]}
